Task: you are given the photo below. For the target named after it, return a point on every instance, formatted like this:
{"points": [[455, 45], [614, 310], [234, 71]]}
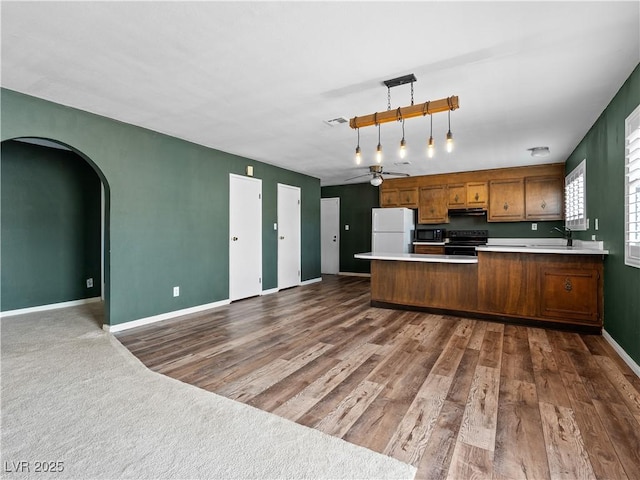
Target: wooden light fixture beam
{"points": [[427, 108]]}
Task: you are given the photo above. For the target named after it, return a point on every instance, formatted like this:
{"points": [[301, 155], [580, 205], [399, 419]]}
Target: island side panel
{"points": [[449, 286]]}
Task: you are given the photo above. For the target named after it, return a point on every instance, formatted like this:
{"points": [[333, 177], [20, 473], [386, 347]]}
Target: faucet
{"points": [[566, 233]]}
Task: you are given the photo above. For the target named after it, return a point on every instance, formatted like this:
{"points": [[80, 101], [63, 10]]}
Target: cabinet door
{"points": [[544, 198], [408, 197], [457, 195], [432, 207], [477, 194], [506, 200], [428, 249], [569, 294], [389, 197]]}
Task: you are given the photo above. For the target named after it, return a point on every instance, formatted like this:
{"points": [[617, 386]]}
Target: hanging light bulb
{"points": [[449, 138], [358, 151], [403, 144], [431, 145], [379, 148]]}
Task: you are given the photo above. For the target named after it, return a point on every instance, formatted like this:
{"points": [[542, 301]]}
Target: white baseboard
{"points": [[163, 316], [52, 306], [624, 355], [270, 291], [310, 281], [354, 274]]}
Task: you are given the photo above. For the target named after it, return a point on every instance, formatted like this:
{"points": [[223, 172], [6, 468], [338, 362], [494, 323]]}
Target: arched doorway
{"points": [[55, 227]]}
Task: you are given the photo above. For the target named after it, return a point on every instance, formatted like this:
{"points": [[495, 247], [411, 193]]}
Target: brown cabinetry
{"points": [[477, 194], [389, 197], [569, 293], [544, 198], [457, 195], [432, 206], [429, 249], [506, 200], [546, 287], [408, 197]]}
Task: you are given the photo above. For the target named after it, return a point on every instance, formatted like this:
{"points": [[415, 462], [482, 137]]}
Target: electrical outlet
{"points": [[89, 282], [534, 226], [176, 291], [346, 227], [593, 237]]}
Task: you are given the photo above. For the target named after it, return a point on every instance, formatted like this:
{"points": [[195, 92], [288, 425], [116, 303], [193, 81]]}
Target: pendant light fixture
{"points": [[379, 148], [431, 145], [400, 114], [358, 151], [403, 144], [449, 138]]}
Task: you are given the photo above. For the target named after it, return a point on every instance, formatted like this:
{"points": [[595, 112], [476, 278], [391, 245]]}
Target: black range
{"points": [[464, 242]]}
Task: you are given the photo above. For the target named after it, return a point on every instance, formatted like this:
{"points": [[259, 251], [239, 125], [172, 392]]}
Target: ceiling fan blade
{"points": [[397, 174], [359, 176]]}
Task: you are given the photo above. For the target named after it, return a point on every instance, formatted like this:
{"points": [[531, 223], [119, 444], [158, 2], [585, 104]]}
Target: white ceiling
{"points": [[258, 79]]}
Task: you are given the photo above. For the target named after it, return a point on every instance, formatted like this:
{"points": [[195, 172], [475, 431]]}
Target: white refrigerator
{"points": [[392, 230]]}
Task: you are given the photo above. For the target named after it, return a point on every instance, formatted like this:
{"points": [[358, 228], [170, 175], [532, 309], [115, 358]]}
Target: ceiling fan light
{"points": [[358, 155], [376, 181]]}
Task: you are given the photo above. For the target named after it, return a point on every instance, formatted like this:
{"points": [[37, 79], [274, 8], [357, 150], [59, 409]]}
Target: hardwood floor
{"points": [[455, 397]]}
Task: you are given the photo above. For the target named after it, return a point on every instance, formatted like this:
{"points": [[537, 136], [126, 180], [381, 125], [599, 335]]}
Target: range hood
{"points": [[467, 211]]}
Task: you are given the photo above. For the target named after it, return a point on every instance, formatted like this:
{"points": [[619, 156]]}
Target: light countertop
{"points": [[558, 249], [435, 244], [416, 257]]}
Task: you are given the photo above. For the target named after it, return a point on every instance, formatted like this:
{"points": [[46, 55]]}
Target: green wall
{"points": [[50, 226], [604, 148], [168, 212], [356, 202]]}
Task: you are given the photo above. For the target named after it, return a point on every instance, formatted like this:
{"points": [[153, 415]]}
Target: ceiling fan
{"points": [[376, 171]]}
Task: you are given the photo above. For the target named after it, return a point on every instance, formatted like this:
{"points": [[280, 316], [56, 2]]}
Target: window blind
{"points": [[632, 189], [576, 198]]}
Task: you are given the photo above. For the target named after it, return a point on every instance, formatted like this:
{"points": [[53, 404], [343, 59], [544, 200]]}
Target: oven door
{"points": [[469, 250]]}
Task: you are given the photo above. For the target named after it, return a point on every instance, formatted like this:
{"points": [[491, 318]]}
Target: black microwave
{"points": [[430, 235]]}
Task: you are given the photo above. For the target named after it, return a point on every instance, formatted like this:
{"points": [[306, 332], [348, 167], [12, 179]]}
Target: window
{"points": [[632, 190], [575, 196]]}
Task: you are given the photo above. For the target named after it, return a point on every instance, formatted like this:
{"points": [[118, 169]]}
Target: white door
{"points": [[330, 235], [288, 236], [245, 237]]}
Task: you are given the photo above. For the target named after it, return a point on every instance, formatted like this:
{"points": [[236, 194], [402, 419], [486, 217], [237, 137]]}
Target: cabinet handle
{"points": [[281, 238], [477, 196], [431, 210], [567, 284], [235, 239], [506, 206], [456, 199]]}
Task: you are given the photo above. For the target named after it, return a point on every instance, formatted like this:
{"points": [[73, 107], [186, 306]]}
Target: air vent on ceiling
{"points": [[336, 121]]}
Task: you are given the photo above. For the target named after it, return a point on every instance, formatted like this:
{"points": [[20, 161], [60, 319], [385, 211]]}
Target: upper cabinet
{"points": [[532, 193], [544, 198], [388, 197], [506, 200], [477, 194], [433, 207]]}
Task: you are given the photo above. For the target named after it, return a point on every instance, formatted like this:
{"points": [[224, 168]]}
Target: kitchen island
{"points": [[520, 284]]}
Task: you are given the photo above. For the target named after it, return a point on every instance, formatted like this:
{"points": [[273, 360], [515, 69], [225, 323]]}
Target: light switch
{"points": [[596, 224], [275, 226]]}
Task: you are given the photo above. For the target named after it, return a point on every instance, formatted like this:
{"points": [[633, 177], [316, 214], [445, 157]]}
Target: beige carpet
{"points": [[72, 394]]}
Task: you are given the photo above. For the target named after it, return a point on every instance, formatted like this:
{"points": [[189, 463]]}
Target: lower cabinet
{"points": [[548, 287], [429, 249], [569, 293]]}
